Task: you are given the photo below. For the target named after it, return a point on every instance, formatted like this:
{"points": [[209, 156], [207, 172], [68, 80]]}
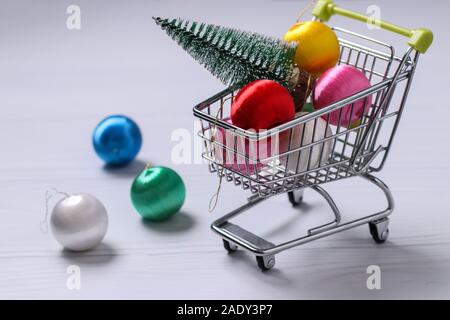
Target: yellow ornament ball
{"points": [[318, 48]]}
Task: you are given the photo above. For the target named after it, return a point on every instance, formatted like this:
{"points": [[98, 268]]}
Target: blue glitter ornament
{"points": [[117, 140]]}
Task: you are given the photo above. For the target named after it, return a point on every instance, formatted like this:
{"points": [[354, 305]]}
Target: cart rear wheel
{"points": [[265, 262], [295, 197], [379, 230], [229, 246]]}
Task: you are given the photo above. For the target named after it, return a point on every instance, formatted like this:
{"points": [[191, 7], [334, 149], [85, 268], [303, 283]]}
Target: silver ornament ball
{"points": [[79, 222]]}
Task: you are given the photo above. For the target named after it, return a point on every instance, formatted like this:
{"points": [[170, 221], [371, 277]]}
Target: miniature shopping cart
{"points": [[356, 149]]}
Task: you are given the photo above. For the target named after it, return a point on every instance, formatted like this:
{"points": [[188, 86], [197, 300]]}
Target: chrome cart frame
{"points": [[354, 149]]}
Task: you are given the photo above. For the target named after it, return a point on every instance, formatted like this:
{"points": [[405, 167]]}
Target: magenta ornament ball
{"points": [[339, 83]]}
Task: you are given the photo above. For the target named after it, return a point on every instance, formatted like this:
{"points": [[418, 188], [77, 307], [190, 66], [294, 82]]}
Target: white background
{"points": [[56, 85]]}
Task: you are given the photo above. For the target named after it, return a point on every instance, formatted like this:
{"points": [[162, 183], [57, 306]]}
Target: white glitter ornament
{"points": [[302, 135], [79, 222]]}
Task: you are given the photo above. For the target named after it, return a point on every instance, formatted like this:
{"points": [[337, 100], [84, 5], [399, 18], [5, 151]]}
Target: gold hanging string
{"points": [[308, 89], [215, 197], [49, 194], [306, 9]]}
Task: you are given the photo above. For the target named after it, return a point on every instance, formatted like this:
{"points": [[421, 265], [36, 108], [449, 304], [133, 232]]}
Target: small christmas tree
{"points": [[237, 57]]}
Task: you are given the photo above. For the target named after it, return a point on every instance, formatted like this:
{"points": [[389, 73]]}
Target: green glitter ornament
{"points": [[308, 107], [157, 193]]}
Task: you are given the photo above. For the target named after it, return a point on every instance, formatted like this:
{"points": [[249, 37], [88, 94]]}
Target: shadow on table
{"points": [[406, 271], [130, 170], [303, 209], [180, 222], [339, 271], [102, 254]]}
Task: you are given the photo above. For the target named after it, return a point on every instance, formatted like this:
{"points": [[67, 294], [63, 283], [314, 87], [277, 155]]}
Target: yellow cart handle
{"points": [[419, 39]]}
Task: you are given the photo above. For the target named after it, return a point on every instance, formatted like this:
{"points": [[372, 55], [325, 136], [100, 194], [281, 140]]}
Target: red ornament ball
{"points": [[262, 104]]}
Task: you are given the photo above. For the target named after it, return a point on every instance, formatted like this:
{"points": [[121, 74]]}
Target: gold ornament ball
{"points": [[318, 49]]}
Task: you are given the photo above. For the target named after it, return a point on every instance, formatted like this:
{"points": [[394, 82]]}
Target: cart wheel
{"points": [[295, 197], [379, 230], [265, 262], [229, 246]]}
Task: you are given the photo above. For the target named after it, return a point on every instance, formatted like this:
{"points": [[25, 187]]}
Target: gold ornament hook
{"points": [[305, 9]]}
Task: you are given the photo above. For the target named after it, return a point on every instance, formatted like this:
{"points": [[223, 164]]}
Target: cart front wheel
{"points": [[379, 230], [265, 262], [230, 247]]}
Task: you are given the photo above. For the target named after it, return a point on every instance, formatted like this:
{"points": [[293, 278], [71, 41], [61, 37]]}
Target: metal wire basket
{"points": [[285, 159]]}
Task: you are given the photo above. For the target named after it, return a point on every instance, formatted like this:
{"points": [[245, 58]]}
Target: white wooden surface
{"points": [[56, 84]]}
